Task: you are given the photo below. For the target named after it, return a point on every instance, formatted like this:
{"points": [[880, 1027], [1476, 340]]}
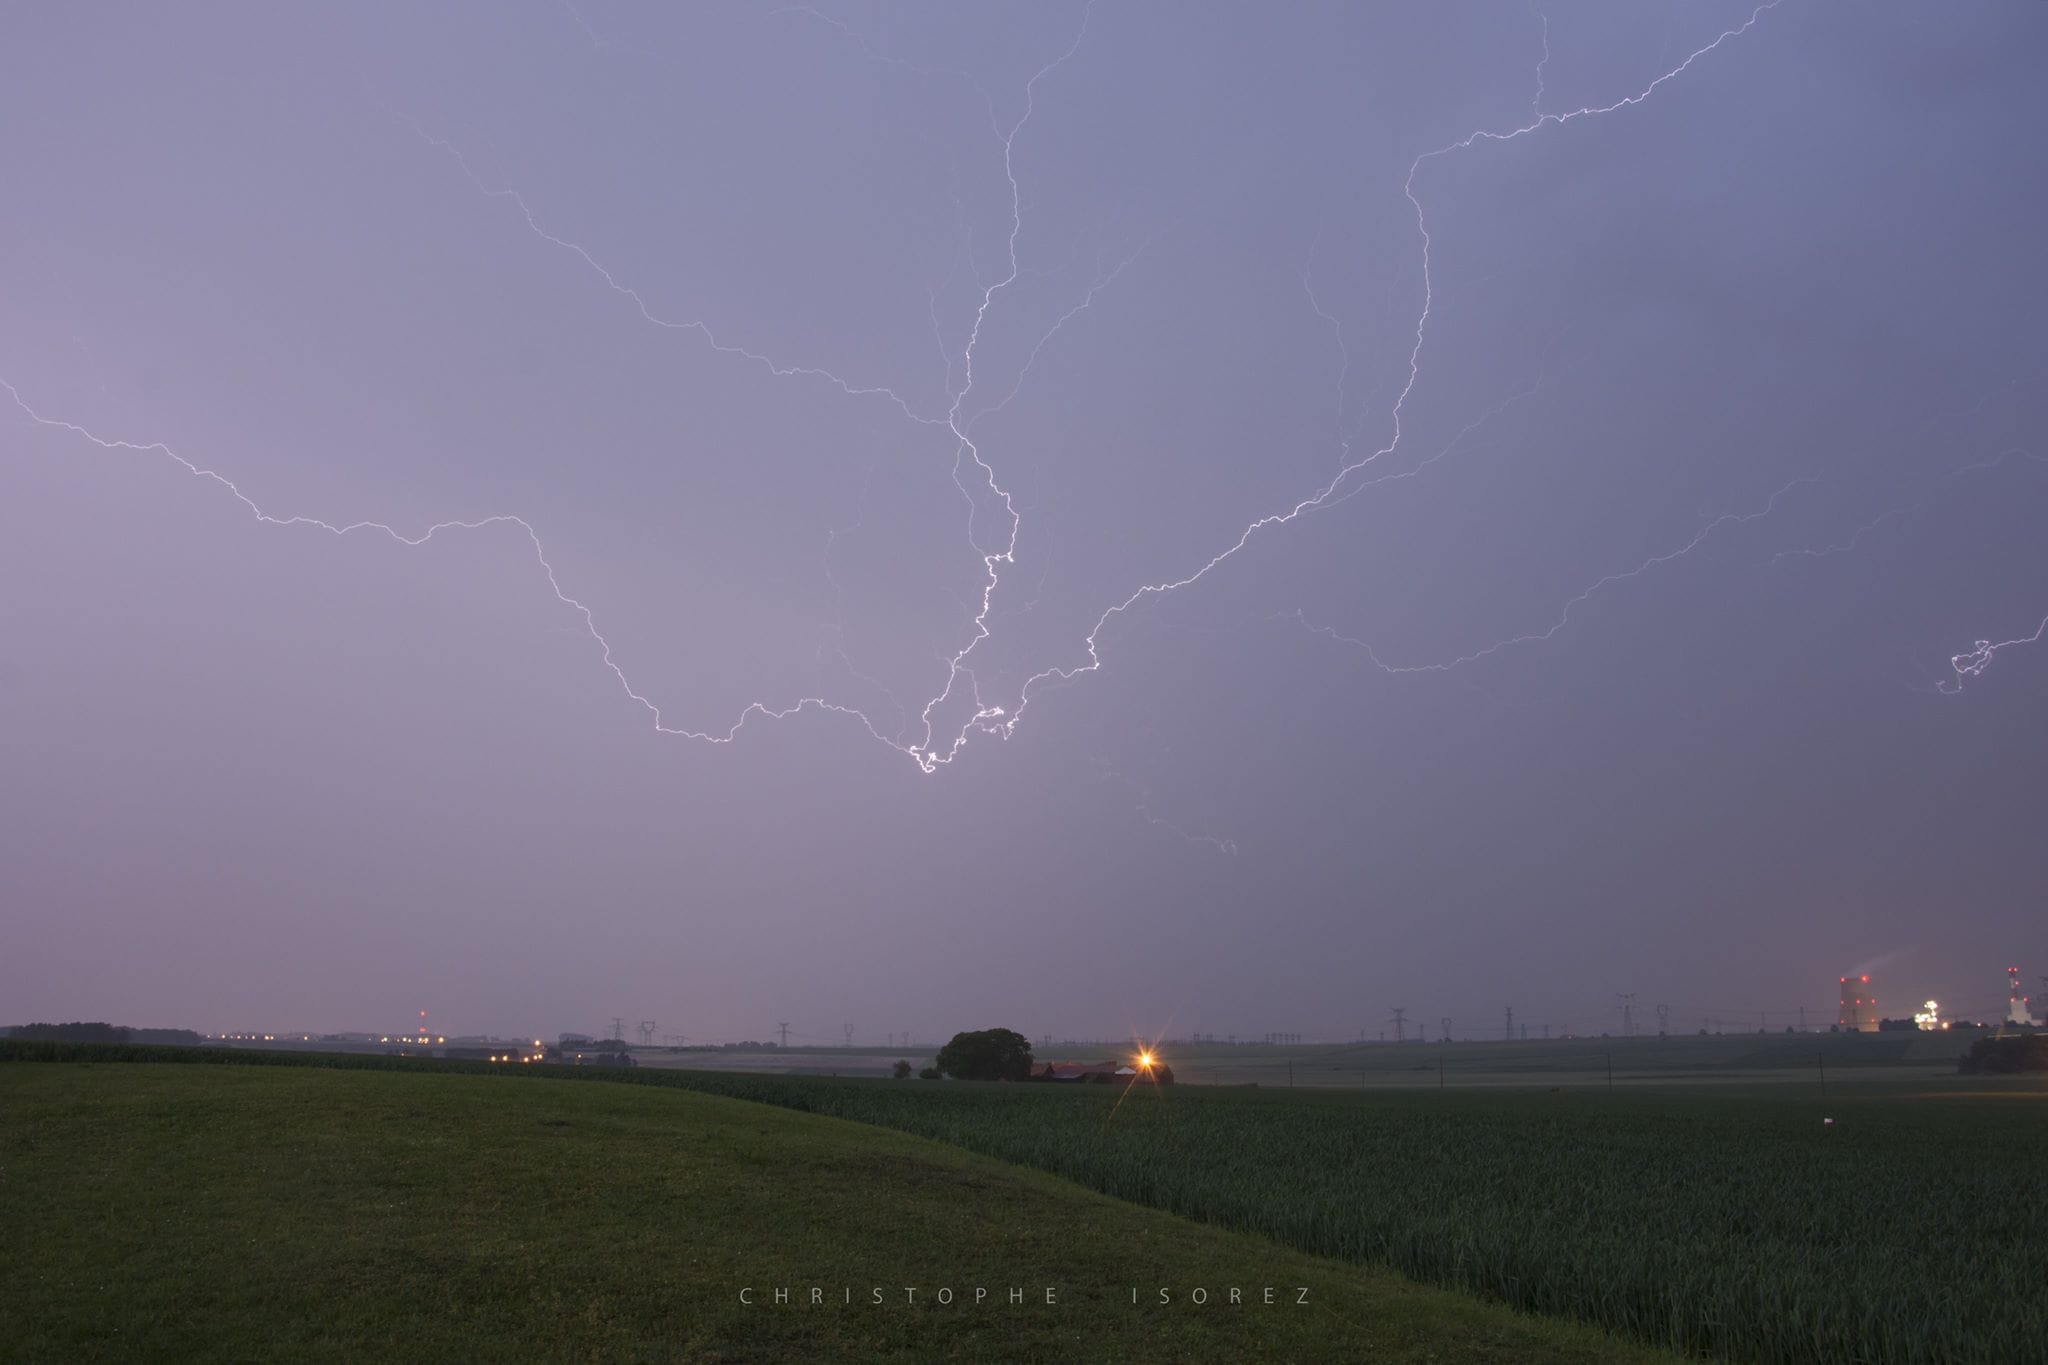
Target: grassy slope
{"points": [[240, 1212]]}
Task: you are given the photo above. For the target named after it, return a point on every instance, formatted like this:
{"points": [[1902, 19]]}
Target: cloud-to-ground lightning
{"points": [[932, 740]]}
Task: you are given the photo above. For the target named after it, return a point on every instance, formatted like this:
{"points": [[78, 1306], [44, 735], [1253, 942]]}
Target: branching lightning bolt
{"points": [[932, 748], [1324, 496], [478, 524], [929, 756], [640, 304]]}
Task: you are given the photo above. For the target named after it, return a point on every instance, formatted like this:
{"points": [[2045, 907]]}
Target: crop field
{"points": [[1680, 1058], [1744, 1058], [1732, 1222]]}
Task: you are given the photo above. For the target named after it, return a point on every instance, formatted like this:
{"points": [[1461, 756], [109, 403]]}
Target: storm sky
{"points": [[1638, 473]]}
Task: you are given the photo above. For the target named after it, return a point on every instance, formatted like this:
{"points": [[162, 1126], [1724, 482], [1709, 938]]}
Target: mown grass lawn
{"points": [[227, 1213]]}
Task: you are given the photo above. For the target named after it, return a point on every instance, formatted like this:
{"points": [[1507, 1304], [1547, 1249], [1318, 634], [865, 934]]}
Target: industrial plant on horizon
{"points": [[1858, 1013]]}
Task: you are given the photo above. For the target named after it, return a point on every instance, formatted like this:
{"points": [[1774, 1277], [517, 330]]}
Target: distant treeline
{"points": [[78, 1031], [38, 1050]]}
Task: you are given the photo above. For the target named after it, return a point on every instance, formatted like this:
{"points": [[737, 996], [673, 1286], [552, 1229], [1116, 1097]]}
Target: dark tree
{"points": [[931, 1073], [994, 1054], [901, 1071], [2004, 1056]]}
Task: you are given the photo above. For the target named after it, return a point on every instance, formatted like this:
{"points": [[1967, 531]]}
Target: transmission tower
{"points": [[618, 1029], [783, 1029], [1628, 1012], [849, 1035], [1400, 1017], [1663, 1018], [1446, 1023], [646, 1032], [1508, 1033]]}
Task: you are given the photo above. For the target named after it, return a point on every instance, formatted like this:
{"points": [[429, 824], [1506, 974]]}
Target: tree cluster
{"points": [[74, 1032], [995, 1054], [2004, 1056]]}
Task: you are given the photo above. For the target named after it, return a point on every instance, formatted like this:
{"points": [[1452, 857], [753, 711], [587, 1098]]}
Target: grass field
{"points": [[234, 1212]]}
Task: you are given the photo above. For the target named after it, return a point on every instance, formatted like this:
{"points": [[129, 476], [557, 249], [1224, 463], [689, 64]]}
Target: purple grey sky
{"points": [[1619, 486]]}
